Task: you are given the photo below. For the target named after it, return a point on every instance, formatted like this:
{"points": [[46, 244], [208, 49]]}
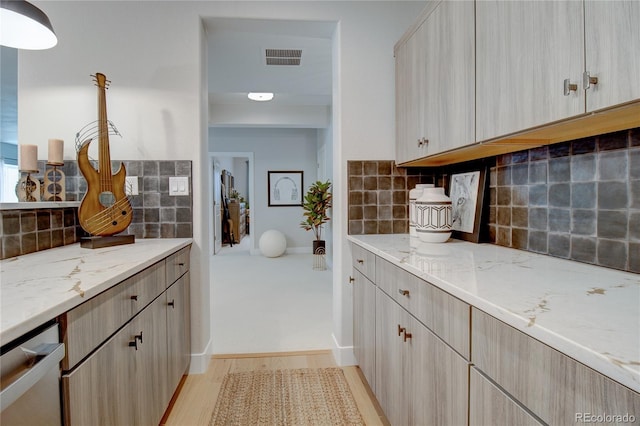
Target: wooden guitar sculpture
{"points": [[105, 209]]}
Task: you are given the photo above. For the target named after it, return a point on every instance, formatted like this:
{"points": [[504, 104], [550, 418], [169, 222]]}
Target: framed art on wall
{"points": [[285, 188], [466, 191]]}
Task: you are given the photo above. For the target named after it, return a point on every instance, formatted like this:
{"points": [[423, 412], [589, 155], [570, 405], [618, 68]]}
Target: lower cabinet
{"points": [[129, 378], [364, 326], [420, 380], [490, 406]]}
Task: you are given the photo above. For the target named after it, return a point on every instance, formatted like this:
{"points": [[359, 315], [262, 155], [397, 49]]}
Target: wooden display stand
{"points": [[100, 242]]}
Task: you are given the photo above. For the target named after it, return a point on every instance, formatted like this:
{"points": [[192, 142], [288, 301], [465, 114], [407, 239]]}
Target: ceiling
{"points": [[237, 62]]}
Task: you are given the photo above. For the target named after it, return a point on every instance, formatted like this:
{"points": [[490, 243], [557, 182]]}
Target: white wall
{"points": [[273, 149], [154, 54]]}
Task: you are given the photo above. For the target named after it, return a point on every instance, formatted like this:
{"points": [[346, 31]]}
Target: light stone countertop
{"points": [[37, 287], [588, 312]]}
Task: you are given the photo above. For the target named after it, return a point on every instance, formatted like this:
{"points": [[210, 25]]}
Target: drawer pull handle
{"points": [[134, 297], [351, 279], [181, 264], [172, 303], [361, 261], [403, 292], [134, 344], [139, 337], [400, 330], [406, 336], [569, 87]]}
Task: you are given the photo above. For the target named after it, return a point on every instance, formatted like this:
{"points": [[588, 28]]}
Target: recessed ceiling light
{"points": [[260, 96]]}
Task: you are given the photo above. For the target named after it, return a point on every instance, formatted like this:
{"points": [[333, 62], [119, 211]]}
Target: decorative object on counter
{"points": [[28, 188], [317, 202], [284, 188], [105, 209], [414, 194], [467, 196], [54, 179], [272, 243], [433, 216]]}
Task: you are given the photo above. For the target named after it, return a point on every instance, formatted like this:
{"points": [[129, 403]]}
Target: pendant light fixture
{"points": [[24, 26]]}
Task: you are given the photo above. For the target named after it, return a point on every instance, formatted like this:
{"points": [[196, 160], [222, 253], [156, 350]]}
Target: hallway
{"points": [[263, 305]]}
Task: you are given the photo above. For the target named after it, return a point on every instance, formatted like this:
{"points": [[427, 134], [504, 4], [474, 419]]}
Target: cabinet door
{"points": [[525, 51], [448, 87], [436, 379], [364, 325], [612, 46], [489, 405], [178, 331], [409, 103], [391, 356]]}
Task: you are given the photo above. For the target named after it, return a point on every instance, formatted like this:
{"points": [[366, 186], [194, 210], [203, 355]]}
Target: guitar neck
{"points": [[104, 158]]}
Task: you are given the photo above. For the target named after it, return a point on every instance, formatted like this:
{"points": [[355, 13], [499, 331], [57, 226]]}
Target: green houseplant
{"points": [[316, 202]]}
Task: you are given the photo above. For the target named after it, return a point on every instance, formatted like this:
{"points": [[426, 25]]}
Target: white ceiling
{"points": [[236, 50]]}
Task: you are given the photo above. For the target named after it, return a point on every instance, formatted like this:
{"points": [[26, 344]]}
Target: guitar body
{"points": [[105, 209], [112, 217]]}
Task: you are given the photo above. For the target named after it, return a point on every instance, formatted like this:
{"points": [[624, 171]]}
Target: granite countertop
{"points": [[588, 312], [37, 287]]}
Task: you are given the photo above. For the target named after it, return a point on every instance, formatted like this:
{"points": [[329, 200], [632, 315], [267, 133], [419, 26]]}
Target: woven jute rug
{"points": [[306, 396]]}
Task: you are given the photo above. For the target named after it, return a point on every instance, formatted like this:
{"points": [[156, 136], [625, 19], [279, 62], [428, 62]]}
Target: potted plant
{"points": [[316, 202]]}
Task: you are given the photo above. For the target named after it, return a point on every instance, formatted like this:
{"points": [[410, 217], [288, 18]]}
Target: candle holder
{"points": [[28, 188], [54, 183]]}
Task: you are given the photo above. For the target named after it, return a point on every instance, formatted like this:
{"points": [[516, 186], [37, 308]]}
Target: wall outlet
{"points": [[131, 185]]}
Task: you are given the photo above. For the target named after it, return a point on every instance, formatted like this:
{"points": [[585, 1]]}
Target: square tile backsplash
{"points": [[578, 200], [156, 214]]}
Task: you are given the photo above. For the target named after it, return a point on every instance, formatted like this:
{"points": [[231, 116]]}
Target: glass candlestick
{"points": [[28, 188]]}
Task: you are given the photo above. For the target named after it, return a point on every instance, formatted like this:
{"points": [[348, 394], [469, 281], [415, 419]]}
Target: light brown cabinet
{"points": [[237, 213], [364, 325], [435, 85], [138, 334]]}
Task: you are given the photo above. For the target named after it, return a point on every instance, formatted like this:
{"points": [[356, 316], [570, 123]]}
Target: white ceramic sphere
{"points": [[272, 243]]}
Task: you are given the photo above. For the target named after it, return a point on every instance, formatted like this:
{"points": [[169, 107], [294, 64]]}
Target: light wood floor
{"points": [[197, 397]]}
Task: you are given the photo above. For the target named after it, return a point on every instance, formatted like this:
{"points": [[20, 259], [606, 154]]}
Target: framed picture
{"points": [[285, 188], [466, 191]]}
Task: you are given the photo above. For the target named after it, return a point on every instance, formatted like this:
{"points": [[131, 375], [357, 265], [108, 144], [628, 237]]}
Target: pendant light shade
{"points": [[24, 26]]}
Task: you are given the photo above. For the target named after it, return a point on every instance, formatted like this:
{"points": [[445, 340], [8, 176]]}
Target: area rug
{"points": [[305, 396]]}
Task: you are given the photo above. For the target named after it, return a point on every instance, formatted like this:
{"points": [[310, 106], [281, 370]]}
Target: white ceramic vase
{"points": [[433, 216], [414, 194]]}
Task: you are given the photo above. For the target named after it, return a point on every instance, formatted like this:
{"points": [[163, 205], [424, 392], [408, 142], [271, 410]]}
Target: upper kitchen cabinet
{"points": [[528, 53], [612, 46], [435, 83]]}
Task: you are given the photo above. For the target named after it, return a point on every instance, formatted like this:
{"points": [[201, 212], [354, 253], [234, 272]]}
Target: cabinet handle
{"points": [[351, 280], [134, 297], [361, 261], [134, 344], [138, 337], [400, 330], [181, 264], [569, 87], [587, 80], [172, 303], [423, 142], [403, 292], [406, 336]]}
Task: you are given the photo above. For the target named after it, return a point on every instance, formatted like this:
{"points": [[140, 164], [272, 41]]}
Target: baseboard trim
{"points": [[272, 354], [289, 250], [343, 354], [200, 362]]}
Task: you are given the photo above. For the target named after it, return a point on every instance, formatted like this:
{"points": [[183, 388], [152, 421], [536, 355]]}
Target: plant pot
{"points": [[319, 247]]}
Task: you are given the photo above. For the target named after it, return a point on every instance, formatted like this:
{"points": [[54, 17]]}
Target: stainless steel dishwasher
{"points": [[30, 379]]}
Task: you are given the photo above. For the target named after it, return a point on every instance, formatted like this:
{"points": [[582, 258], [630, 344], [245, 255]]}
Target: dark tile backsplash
{"points": [[156, 214], [578, 200]]}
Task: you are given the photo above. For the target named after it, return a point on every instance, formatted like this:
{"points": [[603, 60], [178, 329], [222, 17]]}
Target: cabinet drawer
{"points": [[551, 385], [489, 405], [445, 315], [364, 261], [177, 264], [85, 327]]}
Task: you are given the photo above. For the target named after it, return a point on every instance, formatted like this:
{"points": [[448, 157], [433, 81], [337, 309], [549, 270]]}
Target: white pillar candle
{"points": [[56, 148], [28, 157]]}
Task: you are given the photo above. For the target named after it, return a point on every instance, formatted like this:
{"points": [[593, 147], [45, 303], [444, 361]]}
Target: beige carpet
{"points": [[305, 396]]}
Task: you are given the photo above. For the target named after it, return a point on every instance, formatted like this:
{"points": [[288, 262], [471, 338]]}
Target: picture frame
{"points": [[467, 191], [285, 188]]}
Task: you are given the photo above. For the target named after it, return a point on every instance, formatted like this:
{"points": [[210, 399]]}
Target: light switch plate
{"points": [[131, 185], [178, 185]]}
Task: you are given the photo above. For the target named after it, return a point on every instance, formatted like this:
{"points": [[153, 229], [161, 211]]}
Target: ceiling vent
{"points": [[283, 56]]}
